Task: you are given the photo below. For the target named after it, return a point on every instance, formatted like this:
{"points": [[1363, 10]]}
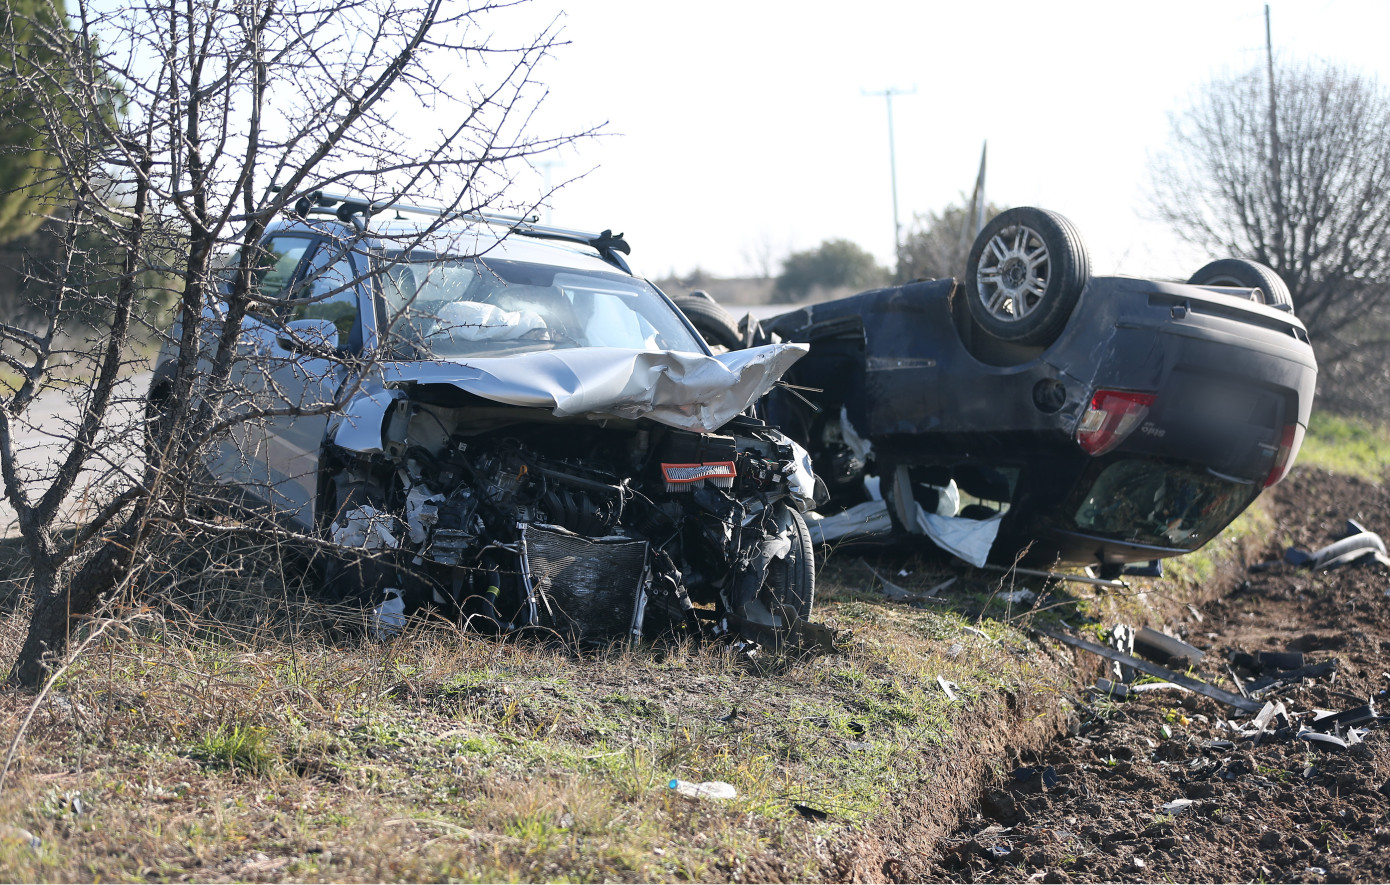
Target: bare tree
{"points": [[229, 113], [1291, 167], [938, 243]]}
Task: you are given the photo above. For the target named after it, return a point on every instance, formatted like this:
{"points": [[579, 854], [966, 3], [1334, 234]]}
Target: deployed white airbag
{"points": [[475, 321]]}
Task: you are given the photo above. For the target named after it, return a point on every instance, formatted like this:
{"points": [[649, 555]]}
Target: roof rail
{"points": [[346, 207]]}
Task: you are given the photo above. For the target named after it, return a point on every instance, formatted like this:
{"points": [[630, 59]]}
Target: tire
{"points": [[1025, 275], [715, 324], [791, 580], [1237, 273]]}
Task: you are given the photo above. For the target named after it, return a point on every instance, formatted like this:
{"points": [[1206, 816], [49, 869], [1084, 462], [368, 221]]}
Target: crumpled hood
{"points": [[690, 391]]}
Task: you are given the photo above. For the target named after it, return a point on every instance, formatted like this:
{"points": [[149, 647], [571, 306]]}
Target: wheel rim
{"points": [[1013, 273]]}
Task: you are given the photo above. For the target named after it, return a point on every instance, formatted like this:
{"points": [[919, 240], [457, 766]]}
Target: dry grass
{"points": [[227, 729]]}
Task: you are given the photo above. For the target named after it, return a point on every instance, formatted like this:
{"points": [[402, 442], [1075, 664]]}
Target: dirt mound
{"points": [[1164, 788]]}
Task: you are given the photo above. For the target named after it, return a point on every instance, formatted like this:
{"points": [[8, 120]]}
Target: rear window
{"points": [[1160, 504]]}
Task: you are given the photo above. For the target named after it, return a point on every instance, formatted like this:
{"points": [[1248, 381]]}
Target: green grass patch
{"points": [[1346, 445]]}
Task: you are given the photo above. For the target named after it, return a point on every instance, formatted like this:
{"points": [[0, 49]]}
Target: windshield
{"points": [[485, 307], [1161, 504]]}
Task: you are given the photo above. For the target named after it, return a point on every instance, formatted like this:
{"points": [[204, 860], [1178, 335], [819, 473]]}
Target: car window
{"points": [[1160, 503], [488, 307], [279, 256], [329, 292]]}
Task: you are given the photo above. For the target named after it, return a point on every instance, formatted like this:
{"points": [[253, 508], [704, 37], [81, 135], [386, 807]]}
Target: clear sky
{"points": [[739, 127]]}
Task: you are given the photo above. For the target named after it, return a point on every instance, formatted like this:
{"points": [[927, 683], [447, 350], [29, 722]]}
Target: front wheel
{"points": [[791, 580], [1025, 275]]}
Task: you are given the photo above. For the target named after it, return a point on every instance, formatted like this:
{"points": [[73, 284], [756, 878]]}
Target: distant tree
{"points": [[938, 243], [831, 265], [30, 61], [1301, 184]]}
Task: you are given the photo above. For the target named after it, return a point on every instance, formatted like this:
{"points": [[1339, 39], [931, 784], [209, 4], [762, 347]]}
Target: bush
{"points": [[831, 265]]}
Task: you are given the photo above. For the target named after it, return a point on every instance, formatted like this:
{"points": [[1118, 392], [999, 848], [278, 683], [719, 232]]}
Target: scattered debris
{"points": [[1211, 691], [1359, 546], [1059, 576], [900, 594], [810, 813], [947, 686], [1161, 647], [18, 837], [704, 790], [1157, 686]]}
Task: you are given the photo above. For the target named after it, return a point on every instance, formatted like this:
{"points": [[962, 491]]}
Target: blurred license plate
{"points": [[1220, 403]]}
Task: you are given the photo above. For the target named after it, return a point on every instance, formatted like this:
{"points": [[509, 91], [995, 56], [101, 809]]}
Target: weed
{"points": [[237, 747]]}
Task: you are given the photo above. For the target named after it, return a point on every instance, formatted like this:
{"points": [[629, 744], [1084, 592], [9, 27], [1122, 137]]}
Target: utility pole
{"points": [[893, 168], [1275, 168], [546, 166]]}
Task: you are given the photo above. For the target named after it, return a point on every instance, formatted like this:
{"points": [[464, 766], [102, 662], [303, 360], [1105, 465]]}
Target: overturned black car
{"points": [[1036, 411]]}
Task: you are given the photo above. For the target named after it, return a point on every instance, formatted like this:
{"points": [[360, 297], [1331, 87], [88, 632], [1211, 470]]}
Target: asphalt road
{"points": [[41, 439]]}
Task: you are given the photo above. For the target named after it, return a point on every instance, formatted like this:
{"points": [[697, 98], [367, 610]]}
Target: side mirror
{"points": [[316, 336]]}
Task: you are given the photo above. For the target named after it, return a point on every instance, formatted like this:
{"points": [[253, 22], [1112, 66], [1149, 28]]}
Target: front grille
{"points": [[589, 590]]}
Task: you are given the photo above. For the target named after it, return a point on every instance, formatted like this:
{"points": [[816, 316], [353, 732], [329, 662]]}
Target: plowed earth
{"points": [[1277, 808]]}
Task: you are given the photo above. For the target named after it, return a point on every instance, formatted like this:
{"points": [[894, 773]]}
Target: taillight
{"points": [[1112, 416], [1290, 441]]}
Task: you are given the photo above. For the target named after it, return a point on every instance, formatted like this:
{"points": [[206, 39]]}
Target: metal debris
{"points": [[1161, 647], [1211, 691]]}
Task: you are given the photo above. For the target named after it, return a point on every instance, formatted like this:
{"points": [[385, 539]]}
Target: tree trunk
{"points": [[60, 598]]}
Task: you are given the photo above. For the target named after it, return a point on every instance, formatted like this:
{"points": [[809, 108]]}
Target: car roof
{"points": [[480, 239]]}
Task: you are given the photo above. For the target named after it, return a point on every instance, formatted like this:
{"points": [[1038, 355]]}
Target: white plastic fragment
{"points": [[389, 616], [947, 686], [1021, 596], [366, 528], [860, 521], [704, 790], [1178, 806], [1155, 686], [421, 512], [1267, 714]]}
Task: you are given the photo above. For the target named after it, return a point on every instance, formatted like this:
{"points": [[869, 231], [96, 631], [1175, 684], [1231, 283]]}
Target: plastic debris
{"points": [[19, 837], [1359, 546], [1116, 690], [810, 813], [1021, 596], [366, 528], [1161, 647], [421, 512], [947, 686], [1317, 737], [388, 618], [1178, 806], [704, 790], [1220, 694], [1157, 686]]}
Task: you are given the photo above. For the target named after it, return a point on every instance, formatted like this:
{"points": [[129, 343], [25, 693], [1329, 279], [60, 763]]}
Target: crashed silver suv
{"points": [[501, 421]]}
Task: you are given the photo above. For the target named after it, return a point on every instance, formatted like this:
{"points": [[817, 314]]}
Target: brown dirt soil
{"points": [[1274, 809]]}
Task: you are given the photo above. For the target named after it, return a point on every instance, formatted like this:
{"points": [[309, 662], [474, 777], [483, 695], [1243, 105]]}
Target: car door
{"points": [[239, 457], [305, 376]]}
